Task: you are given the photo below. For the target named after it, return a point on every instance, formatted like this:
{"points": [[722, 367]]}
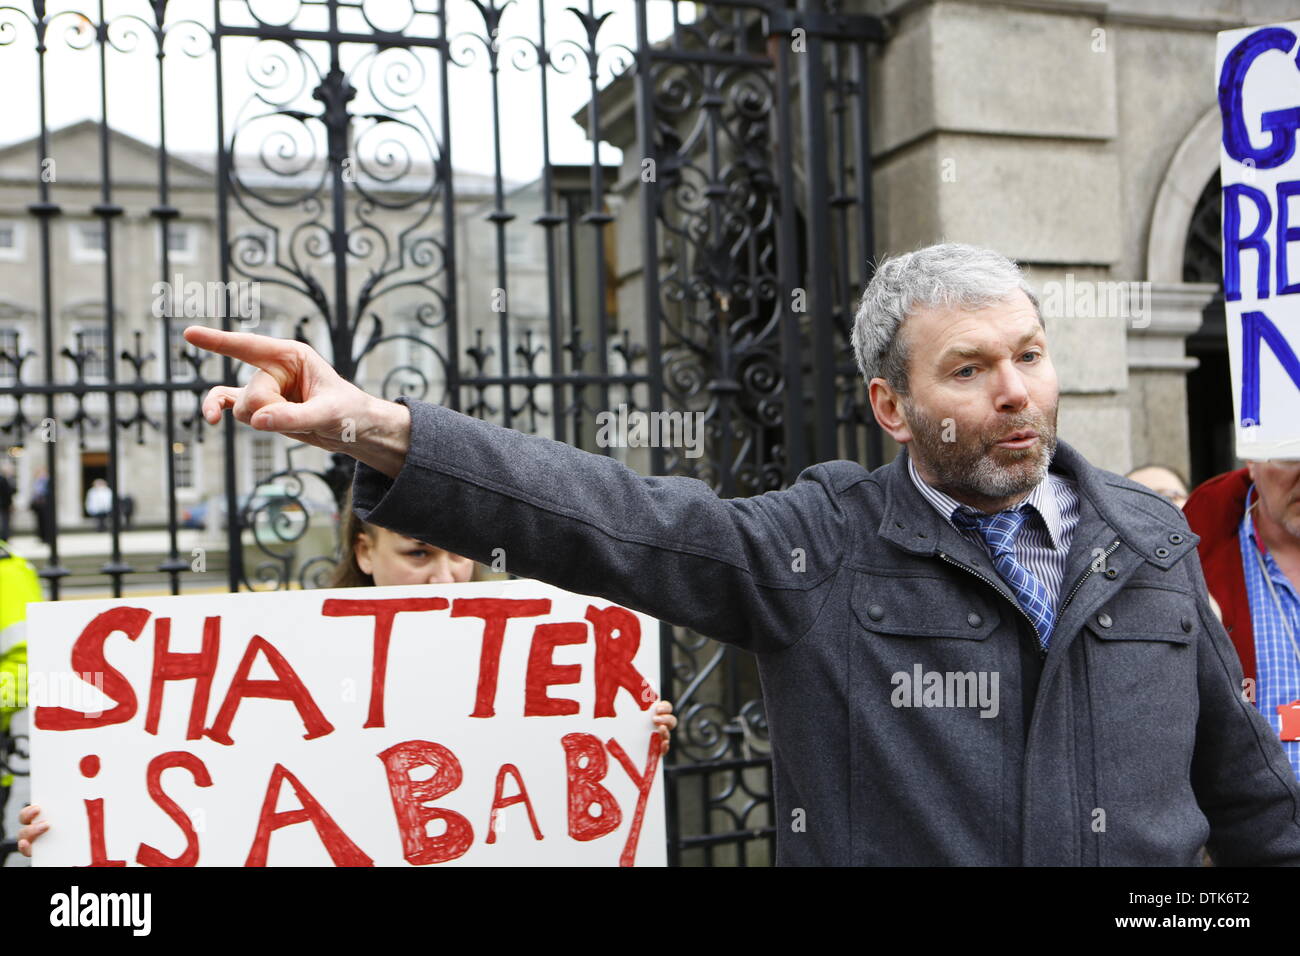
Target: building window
{"points": [[93, 343], [11, 240], [182, 242], [88, 241], [183, 463], [263, 458], [8, 355]]}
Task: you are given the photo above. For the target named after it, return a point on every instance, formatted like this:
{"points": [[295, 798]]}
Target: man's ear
{"points": [[887, 405], [362, 550]]}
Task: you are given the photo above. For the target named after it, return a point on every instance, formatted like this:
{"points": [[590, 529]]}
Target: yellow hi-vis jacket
{"points": [[19, 585]]}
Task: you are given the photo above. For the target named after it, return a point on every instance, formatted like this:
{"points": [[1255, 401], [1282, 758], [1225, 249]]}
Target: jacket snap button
{"points": [[875, 612], [974, 620], [1175, 538], [1162, 552], [1187, 624], [1111, 573], [1104, 620]]}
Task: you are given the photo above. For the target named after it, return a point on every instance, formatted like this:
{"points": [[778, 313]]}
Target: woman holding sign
{"points": [[373, 557]]}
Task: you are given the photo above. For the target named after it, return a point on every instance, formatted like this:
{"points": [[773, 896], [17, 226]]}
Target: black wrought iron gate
{"points": [[714, 270]]}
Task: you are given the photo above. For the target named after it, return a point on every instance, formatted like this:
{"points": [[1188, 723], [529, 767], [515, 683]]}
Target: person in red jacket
{"points": [[1252, 570], [1214, 511]]}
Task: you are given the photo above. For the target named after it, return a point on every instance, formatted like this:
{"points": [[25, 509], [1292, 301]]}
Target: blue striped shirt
{"points": [[1041, 546], [1277, 668]]}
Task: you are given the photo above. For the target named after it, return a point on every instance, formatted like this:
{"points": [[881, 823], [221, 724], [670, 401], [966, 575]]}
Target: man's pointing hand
{"points": [[297, 393]]}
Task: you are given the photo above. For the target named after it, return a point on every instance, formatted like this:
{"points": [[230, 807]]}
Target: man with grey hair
{"points": [[985, 652], [966, 462]]}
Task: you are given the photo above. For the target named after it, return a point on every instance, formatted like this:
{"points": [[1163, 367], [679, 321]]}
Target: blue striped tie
{"points": [[999, 533]]}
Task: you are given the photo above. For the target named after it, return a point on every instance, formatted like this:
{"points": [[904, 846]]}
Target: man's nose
{"points": [[1012, 394]]}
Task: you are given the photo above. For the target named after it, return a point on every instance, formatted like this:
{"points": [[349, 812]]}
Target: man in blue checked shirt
{"points": [[1249, 523]]}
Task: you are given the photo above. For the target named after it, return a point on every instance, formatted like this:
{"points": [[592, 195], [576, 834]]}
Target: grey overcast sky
{"points": [[73, 89]]}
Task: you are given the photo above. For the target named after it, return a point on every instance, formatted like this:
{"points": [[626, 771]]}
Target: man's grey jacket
{"points": [[1128, 743]]}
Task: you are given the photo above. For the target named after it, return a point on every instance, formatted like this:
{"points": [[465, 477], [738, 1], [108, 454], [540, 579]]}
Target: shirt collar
{"points": [[1043, 499]]}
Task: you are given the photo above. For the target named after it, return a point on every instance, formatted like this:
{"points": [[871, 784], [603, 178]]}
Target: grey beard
{"points": [[967, 468]]}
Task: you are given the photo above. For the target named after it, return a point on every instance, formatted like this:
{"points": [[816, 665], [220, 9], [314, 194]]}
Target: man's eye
{"points": [[968, 368], [1034, 354]]}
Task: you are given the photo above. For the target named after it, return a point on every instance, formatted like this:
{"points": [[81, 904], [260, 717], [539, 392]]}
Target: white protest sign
{"points": [[1259, 101], [493, 723]]}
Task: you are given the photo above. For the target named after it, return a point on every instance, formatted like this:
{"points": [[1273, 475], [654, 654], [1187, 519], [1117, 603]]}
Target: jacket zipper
{"points": [[1042, 651], [1092, 566]]}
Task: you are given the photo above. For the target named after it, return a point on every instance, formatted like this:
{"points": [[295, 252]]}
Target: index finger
{"points": [[257, 350]]}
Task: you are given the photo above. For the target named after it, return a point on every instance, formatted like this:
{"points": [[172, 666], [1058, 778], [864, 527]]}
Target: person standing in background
{"points": [[99, 502], [1163, 481], [40, 505], [1248, 521]]}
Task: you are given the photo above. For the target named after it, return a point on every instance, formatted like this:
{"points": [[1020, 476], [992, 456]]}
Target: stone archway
{"points": [[1158, 357], [1194, 163]]}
